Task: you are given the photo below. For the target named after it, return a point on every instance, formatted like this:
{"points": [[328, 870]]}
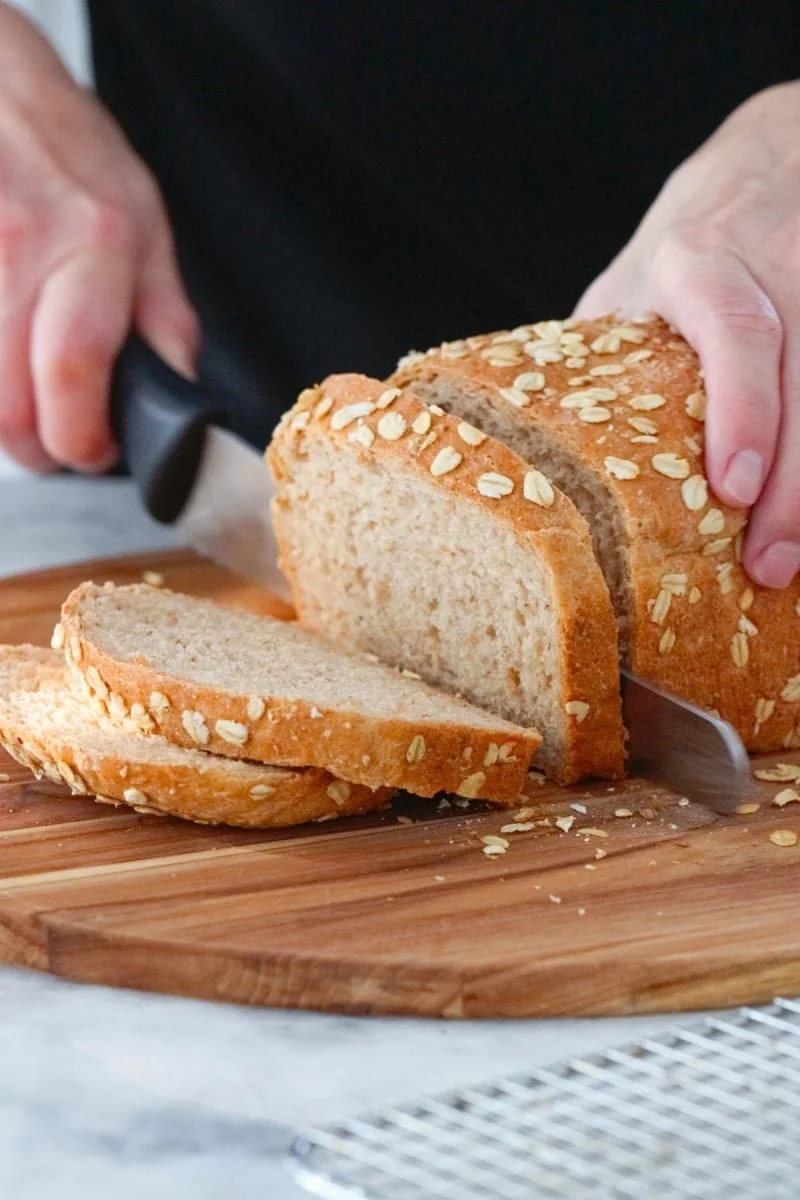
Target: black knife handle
{"points": [[160, 420]]}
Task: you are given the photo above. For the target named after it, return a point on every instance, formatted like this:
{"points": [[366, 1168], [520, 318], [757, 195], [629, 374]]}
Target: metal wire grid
{"points": [[708, 1112]]}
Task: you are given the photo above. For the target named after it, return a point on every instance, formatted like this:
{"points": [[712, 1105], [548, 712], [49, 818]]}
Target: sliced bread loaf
{"points": [[613, 412], [45, 726], [250, 686], [411, 535]]}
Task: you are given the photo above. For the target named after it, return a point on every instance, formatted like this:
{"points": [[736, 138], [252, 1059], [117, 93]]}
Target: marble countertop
{"points": [[117, 1093]]}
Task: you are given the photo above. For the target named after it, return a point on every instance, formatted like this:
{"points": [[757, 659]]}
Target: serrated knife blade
{"points": [[686, 748], [227, 515]]}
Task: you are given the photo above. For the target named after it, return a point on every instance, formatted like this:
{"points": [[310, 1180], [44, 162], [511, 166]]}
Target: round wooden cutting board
{"points": [[641, 904]]}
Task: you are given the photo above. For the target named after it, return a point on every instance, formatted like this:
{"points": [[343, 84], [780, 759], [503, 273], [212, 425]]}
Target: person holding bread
{"points": [[272, 192]]}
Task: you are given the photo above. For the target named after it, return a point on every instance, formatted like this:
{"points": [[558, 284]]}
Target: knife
{"points": [[688, 749], [191, 472], [215, 490]]}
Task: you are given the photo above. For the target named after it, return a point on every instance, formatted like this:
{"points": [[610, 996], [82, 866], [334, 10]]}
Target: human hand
{"points": [[718, 256], [85, 253]]}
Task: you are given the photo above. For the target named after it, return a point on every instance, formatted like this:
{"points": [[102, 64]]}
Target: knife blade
{"points": [[690, 750], [191, 473]]}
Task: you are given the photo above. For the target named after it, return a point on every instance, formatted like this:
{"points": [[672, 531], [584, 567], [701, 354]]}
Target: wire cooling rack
{"points": [[706, 1112]]}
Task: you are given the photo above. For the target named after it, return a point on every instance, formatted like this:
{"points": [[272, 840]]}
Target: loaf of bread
{"points": [[410, 535], [248, 686], [612, 412], [54, 733]]}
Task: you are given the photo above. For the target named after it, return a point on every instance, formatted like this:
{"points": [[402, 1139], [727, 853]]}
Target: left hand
{"points": [[718, 256]]}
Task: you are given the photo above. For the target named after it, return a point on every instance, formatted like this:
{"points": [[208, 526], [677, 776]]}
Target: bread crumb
{"points": [[565, 823]]}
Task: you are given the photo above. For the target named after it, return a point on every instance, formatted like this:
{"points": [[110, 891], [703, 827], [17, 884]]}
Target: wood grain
{"points": [[380, 915]]}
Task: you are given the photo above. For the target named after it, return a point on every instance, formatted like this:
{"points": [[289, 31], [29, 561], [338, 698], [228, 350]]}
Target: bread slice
{"points": [[45, 726], [613, 412], [250, 686], [410, 535]]}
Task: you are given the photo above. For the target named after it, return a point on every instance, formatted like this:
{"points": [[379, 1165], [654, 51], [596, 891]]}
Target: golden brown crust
{"points": [[373, 752], [588, 638], [734, 647], [202, 788]]}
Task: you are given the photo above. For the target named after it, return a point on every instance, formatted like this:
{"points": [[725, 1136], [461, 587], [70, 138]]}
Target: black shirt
{"points": [[351, 178]]}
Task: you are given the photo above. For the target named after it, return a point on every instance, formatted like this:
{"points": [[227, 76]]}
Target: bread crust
{"points": [[202, 788], [352, 746], [559, 535], [717, 639]]}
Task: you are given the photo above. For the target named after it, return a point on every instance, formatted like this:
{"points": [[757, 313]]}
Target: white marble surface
{"points": [[121, 1094]]}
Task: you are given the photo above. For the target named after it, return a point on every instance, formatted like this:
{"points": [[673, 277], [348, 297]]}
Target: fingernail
{"points": [[777, 565], [180, 357], [745, 476], [99, 466]]}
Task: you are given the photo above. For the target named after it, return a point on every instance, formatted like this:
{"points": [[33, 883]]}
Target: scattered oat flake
{"points": [[517, 827], [555, 899], [439, 878], [401, 820], [780, 773], [493, 851], [524, 814], [783, 837], [4, 778], [491, 839], [623, 812], [600, 852], [746, 810], [154, 578], [581, 912], [684, 802], [565, 823], [787, 796], [590, 866], [590, 831], [579, 808]]}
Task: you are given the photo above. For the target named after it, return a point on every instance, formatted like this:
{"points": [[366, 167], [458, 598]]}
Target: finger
{"points": [[18, 433], [163, 313], [617, 289], [772, 548], [80, 323], [711, 297]]}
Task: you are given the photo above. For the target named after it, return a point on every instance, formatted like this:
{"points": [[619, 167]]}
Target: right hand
{"points": [[86, 252]]}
